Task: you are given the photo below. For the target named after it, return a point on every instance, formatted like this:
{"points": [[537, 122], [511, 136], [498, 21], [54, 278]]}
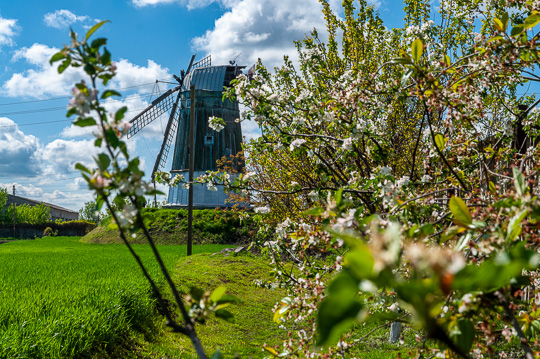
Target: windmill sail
{"points": [[158, 107], [170, 133]]}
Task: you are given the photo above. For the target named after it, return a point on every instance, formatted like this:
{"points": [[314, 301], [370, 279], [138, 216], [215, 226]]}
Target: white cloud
{"points": [[62, 19], [60, 156], [129, 75], [8, 28], [43, 80], [17, 150], [190, 4], [262, 29]]}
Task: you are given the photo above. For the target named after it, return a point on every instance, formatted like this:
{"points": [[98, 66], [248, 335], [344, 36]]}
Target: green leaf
{"points": [[98, 42], [218, 355], [498, 24], [105, 78], [492, 188], [217, 293], [439, 141], [94, 28], [496, 272], [81, 167], [406, 77], [465, 339], [450, 233], [84, 122], [225, 315], [72, 111], [123, 147], [339, 310], [227, 299], [103, 161], [339, 197], [316, 211], [447, 60], [106, 57], [360, 262], [111, 138], [519, 182], [196, 293], [109, 93], [516, 30], [119, 115], [64, 65], [505, 19], [417, 50], [531, 21], [495, 38], [89, 69], [271, 351], [401, 60], [57, 57], [514, 226], [460, 210]]}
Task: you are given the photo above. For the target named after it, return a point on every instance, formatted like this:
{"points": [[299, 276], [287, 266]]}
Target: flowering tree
{"points": [[416, 153], [118, 182]]}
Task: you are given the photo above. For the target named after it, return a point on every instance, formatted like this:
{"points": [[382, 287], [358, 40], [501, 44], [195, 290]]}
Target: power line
{"points": [[54, 121], [48, 109], [67, 97]]}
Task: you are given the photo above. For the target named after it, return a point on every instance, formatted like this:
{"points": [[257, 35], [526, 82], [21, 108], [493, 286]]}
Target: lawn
{"points": [[60, 298]]}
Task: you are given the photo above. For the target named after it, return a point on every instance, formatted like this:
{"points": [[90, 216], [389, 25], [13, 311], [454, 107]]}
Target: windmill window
{"points": [[208, 140]]}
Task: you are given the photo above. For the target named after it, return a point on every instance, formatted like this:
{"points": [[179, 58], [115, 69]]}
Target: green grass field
{"points": [[60, 298]]}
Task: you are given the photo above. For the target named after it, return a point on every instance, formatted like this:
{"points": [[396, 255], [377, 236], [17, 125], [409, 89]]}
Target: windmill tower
{"points": [[209, 145]]}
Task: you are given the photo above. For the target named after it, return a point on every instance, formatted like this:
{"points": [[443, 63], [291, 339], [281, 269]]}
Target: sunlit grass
{"points": [[60, 298]]}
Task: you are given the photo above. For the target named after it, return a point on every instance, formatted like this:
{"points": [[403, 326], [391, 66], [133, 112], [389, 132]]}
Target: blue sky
{"points": [[150, 40]]}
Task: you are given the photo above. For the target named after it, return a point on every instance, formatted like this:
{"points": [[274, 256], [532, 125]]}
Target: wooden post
{"points": [[191, 168], [395, 332], [14, 232], [155, 195]]}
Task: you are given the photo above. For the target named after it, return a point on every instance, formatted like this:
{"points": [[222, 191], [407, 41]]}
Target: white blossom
{"points": [[262, 210], [296, 143], [216, 123]]}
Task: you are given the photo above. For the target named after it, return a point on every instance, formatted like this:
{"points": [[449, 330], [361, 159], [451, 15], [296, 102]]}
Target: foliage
{"points": [[117, 181], [49, 232], [73, 300], [90, 213], [3, 198], [401, 141], [23, 213], [169, 226]]}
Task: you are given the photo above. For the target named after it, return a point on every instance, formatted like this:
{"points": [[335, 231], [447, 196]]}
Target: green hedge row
{"points": [[26, 230]]}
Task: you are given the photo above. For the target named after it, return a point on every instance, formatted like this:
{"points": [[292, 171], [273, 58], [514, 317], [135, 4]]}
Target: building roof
{"points": [[45, 203], [211, 78]]}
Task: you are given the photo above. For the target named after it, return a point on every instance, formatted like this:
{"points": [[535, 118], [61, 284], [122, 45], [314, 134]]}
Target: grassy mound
{"points": [[252, 327], [169, 226]]}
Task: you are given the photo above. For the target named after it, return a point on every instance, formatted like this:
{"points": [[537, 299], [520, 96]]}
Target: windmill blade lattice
{"points": [[170, 134], [159, 106]]}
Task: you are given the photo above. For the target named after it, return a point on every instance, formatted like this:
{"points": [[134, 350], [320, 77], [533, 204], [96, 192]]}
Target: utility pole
{"points": [[191, 168], [155, 195], [14, 212]]}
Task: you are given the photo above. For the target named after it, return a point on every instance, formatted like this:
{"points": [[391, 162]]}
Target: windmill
{"points": [[209, 145]]}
